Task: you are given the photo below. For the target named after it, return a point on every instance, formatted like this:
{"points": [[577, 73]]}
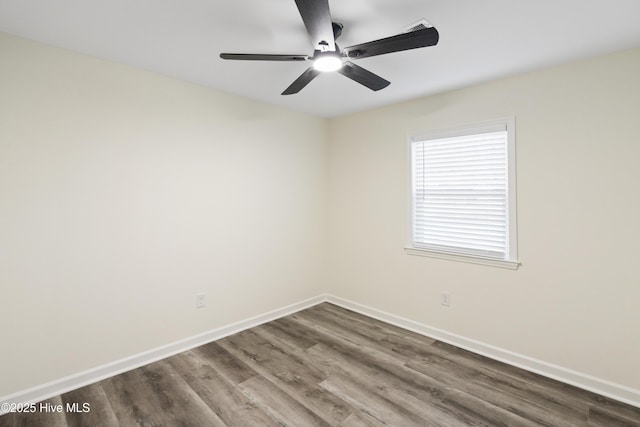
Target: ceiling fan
{"points": [[327, 56]]}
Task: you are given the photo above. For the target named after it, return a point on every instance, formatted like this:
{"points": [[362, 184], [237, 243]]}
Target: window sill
{"points": [[510, 265]]}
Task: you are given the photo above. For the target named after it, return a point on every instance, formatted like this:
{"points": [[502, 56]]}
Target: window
{"points": [[463, 194]]}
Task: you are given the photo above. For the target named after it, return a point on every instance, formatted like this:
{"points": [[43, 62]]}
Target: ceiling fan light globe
{"points": [[327, 63]]}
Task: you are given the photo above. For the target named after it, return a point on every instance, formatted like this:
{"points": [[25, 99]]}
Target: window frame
{"points": [[512, 261]]}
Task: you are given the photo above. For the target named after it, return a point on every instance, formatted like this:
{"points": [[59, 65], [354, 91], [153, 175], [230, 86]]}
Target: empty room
{"points": [[319, 213]]}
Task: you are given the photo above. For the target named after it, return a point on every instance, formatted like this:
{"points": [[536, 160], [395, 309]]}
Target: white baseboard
{"points": [[45, 391], [597, 385], [90, 376]]}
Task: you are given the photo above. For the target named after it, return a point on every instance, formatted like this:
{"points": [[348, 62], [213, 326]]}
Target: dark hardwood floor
{"points": [[327, 366]]}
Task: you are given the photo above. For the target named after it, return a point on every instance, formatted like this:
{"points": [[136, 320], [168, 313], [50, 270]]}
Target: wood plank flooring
{"points": [[327, 366]]}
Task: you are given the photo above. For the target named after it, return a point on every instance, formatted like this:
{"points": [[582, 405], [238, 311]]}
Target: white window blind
{"points": [[461, 193]]}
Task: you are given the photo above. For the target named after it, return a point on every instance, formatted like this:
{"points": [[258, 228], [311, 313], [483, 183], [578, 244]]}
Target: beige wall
{"points": [[124, 193], [575, 300]]}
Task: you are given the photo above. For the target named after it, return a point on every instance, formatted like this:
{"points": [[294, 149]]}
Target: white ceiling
{"points": [[479, 41]]}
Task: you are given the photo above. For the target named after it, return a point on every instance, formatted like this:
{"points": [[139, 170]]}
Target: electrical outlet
{"points": [[445, 299], [201, 300]]}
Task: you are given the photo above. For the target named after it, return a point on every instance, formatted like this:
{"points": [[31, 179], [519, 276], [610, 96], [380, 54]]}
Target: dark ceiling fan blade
{"points": [[412, 40], [301, 81], [263, 57], [362, 76], [317, 18]]}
